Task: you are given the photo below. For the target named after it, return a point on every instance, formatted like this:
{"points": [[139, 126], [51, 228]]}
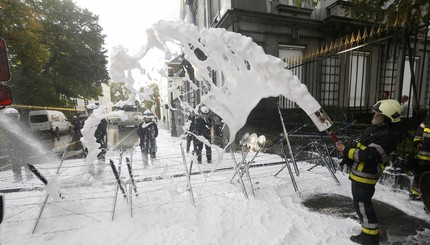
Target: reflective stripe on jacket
{"points": [[370, 154], [423, 136]]}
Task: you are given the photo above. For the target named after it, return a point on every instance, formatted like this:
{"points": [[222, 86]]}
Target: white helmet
{"points": [[147, 113], [92, 106], [389, 108], [204, 110], [11, 113]]}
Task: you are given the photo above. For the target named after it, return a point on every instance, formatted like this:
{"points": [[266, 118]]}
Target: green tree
{"points": [[22, 32], [58, 53], [118, 92], [407, 13], [154, 98], [77, 64]]}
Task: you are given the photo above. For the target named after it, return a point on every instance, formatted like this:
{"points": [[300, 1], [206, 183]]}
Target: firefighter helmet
{"points": [[204, 110], [147, 113], [389, 108]]}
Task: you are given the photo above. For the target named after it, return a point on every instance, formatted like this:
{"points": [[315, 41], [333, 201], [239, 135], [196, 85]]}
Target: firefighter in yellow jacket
{"points": [[422, 143], [367, 160]]}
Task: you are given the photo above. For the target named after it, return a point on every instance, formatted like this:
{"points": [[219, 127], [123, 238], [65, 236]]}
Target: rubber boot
{"points": [[415, 194], [365, 239], [145, 160], [100, 167], [91, 170]]}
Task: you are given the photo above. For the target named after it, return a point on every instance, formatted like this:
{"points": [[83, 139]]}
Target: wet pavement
{"points": [[397, 227]]}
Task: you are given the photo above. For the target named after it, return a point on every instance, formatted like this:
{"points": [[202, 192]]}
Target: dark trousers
{"points": [[17, 167], [405, 127], [422, 166], [362, 199], [189, 139], [198, 147]]}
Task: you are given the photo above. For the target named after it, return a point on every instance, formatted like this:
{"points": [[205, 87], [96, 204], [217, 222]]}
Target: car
{"points": [[134, 117], [54, 122]]}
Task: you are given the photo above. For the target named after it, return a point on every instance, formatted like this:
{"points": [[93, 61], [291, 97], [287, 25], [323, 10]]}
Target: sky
{"points": [[124, 22]]}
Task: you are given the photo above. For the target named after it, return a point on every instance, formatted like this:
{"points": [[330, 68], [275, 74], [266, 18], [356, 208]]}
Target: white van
{"points": [[134, 117], [51, 121]]}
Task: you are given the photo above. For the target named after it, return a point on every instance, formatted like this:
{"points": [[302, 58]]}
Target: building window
{"points": [[406, 88], [359, 62], [287, 52]]}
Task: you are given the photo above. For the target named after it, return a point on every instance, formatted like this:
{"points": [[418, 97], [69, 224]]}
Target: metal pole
{"points": [[236, 168], [327, 165], [244, 154], [40, 213], [290, 171], [249, 179], [288, 143], [188, 176], [117, 185], [47, 195]]}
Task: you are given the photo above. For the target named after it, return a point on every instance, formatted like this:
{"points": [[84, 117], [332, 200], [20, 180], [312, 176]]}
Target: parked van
{"points": [[134, 117], [51, 121]]}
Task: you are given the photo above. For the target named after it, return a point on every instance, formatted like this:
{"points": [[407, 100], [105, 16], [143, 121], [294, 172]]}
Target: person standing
{"points": [[422, 143], [100, 134], [190, 137], [148, 132], [14, 151], [202, 127], [405, 107], [77, 125], [386, 95], [367, 160]]}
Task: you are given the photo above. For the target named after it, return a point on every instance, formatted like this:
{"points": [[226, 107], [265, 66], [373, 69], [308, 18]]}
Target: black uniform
{"points": [[190, 137], [202, 127], [421, 139], [367, 162], [148, 132], [100, 135], [14, 151]]}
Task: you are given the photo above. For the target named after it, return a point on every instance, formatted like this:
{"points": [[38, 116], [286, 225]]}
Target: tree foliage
{"points": [[21, 30], [56, 51], [118, 92], [407, 13], [154, 98]]}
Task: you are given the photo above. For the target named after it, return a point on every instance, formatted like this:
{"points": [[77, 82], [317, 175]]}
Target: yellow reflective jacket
{"points": [[371, 153]]}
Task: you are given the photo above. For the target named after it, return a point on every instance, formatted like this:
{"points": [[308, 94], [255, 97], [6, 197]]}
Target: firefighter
{"points": [[202, 127], [101, 137], [422, 143], [13, 150], [148, 132], [367, 160]]}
